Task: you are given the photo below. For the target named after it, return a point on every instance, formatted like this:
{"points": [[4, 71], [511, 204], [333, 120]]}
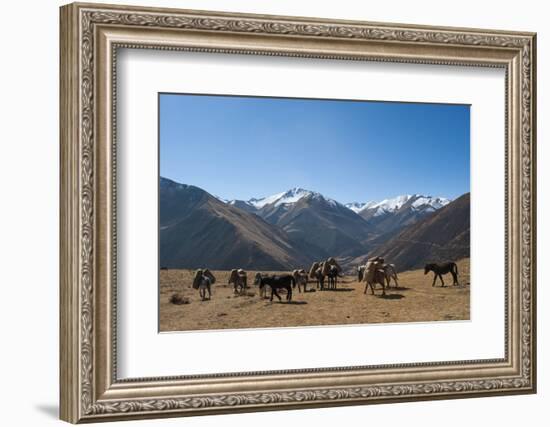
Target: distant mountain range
{"points": [[442, 236], [392, 214], [382, 217], [391, 205], [278, 232]]}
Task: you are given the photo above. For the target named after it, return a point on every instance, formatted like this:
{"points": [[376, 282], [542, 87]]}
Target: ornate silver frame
{"points": [[90, 36]]}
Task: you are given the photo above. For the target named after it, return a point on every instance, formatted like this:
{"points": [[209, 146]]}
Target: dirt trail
{"points": [[415, 300]]}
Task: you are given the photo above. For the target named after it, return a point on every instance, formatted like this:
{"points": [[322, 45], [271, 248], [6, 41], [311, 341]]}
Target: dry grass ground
{"points": [[415, 300]]}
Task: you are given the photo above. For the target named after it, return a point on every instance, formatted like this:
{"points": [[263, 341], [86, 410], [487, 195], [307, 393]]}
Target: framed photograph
{"points": [[266, 212]]}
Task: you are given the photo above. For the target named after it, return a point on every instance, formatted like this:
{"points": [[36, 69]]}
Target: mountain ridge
{"points": [[286, 230], [323, 224]]}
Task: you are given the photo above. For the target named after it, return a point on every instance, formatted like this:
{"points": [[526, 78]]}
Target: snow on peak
{"points": [[290, 196], [358, 207], [433, 202], [393, 204], [293, 195], [415, 201], [355, 206]]}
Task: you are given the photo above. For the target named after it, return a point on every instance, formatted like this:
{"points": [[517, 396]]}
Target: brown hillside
{"points": [[198, 230]]}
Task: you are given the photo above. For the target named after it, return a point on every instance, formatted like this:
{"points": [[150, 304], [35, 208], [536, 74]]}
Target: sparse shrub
{"points": [[178, 299]]}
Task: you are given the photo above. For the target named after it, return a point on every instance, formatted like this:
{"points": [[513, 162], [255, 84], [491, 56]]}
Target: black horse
{"points": [[278, 282], [440, 269]]}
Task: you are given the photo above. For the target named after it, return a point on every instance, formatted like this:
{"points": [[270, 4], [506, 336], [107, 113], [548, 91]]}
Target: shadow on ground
{"points": [[391, 296], [399, 288], [292, 302]]}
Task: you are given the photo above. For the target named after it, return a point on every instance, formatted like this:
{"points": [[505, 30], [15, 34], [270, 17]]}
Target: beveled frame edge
{"points": [[88, 391]]}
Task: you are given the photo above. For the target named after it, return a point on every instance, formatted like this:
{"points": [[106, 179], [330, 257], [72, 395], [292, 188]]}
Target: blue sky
{"points": [[242, 147]]}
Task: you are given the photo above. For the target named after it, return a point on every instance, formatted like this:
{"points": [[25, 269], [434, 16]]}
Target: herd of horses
{"points": [[325, 273]]}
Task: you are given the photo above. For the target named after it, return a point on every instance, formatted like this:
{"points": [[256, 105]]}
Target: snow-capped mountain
{"points": [[391, 214], [287, 197], [433, 202], [290, 196], [390, 205], [373, 208], [415, 201], [358, 207], [294, 210], [321, 223]]}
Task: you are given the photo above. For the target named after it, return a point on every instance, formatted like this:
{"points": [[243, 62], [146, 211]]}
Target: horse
{"points": [[440, 269], [389, 271], [314, 273], [238, 279], [332, 277], [257, 281], [332, 261], [320, 269], [320, 278], [285, 281], [372, 273], [203, 281], [300, 277]]}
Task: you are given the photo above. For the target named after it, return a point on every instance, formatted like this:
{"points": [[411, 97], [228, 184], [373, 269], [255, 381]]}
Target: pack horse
{"points": [[203, 281], [389, 271], [329, 269], [237, 277], [372, 273]]}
